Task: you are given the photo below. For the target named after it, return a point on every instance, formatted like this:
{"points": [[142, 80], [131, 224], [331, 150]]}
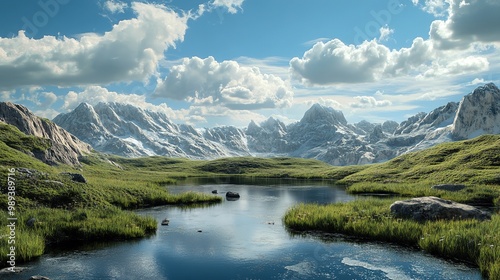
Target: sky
{"points": [[227, 62]]}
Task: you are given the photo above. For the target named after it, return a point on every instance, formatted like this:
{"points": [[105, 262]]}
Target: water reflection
{"points": [[245, 239]]}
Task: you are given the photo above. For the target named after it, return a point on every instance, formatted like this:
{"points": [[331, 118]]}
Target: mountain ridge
{"points": [[323, 133]]}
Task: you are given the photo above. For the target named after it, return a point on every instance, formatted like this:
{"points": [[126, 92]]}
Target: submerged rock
{"points": [[432, 208], [39, 277]]}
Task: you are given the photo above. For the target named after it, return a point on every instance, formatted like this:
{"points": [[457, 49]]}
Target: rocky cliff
{"points": [[478, 113], [64, 147]]}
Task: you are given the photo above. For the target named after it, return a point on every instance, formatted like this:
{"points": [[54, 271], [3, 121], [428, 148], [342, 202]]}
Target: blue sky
{"points": [[226, 62]]}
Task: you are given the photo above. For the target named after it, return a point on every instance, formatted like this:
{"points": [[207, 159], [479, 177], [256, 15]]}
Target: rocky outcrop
{"points": [[433, 208], [64, 147], [478, 113]]}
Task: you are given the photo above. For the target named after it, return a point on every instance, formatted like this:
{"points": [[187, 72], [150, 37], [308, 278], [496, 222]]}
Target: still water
{"points": [[244, 239]]}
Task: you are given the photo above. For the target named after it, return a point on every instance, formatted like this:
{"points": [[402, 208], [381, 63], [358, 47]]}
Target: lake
{"points": [[244, 239]]}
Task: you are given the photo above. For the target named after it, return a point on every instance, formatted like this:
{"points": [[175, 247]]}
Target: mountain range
{"points": [[323, 133]]}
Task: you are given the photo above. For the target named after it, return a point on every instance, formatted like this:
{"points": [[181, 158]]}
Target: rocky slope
{"points": [[478, 113], [64, 147], [323, 133]]}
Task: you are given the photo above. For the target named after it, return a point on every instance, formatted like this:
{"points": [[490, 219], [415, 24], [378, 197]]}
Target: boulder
{"points": [[31, 222], [232, 194], [432, 208], [449, 187], [76, 177]]}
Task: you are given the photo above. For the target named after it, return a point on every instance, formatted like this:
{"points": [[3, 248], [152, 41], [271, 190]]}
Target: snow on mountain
{"points": [[478, 113], [126, 130], [323, 133]]}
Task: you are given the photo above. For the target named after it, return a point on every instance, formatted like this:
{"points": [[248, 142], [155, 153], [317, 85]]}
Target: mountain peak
{"points": [[478, 113], [320, 113]]}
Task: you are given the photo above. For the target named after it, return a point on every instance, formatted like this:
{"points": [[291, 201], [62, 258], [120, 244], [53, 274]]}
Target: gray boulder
{"points": [[232, 194], [76, 177], [31, 222], [432, 208], [449, 187]]}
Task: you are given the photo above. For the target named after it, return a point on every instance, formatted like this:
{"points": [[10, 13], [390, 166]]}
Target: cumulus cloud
{"points": [[469, 22], [115, 6], [438, 8], [130, 51], [385, 32], [336, 62], [232, 6], [453, 48], [228, 84], [369, 102]]}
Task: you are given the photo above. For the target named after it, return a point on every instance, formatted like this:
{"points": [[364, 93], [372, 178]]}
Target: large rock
{"points": [[64, 147], [432, 208]]}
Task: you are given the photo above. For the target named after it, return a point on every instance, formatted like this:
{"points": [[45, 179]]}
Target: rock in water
{"points": [[232, 194], [432, 208]]}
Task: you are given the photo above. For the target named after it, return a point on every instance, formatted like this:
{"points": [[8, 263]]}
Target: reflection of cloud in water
{"points": [[391, 273]]}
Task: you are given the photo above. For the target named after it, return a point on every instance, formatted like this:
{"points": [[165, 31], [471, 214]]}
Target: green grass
{"points": [[471, 241], [68, 211]]}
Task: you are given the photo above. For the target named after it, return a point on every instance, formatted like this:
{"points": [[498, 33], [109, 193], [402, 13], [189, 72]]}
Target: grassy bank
{"points": [[68, 211], [474, 163], [471, 241]]}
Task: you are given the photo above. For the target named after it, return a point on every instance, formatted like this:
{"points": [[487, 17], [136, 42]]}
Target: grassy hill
{"points": [[475, 163]]}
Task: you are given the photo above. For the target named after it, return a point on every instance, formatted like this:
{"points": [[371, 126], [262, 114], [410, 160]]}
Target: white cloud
{"points": [[369, 102], [115, 6], [130, 51], [336, 62], [438, 8], [385, 32], [232, 6], [228, 84], [469, 23], [456, 46]]}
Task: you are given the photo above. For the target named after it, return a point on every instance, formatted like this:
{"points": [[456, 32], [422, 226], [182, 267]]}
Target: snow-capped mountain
{"points": [[126, 130], [323, 133]]}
